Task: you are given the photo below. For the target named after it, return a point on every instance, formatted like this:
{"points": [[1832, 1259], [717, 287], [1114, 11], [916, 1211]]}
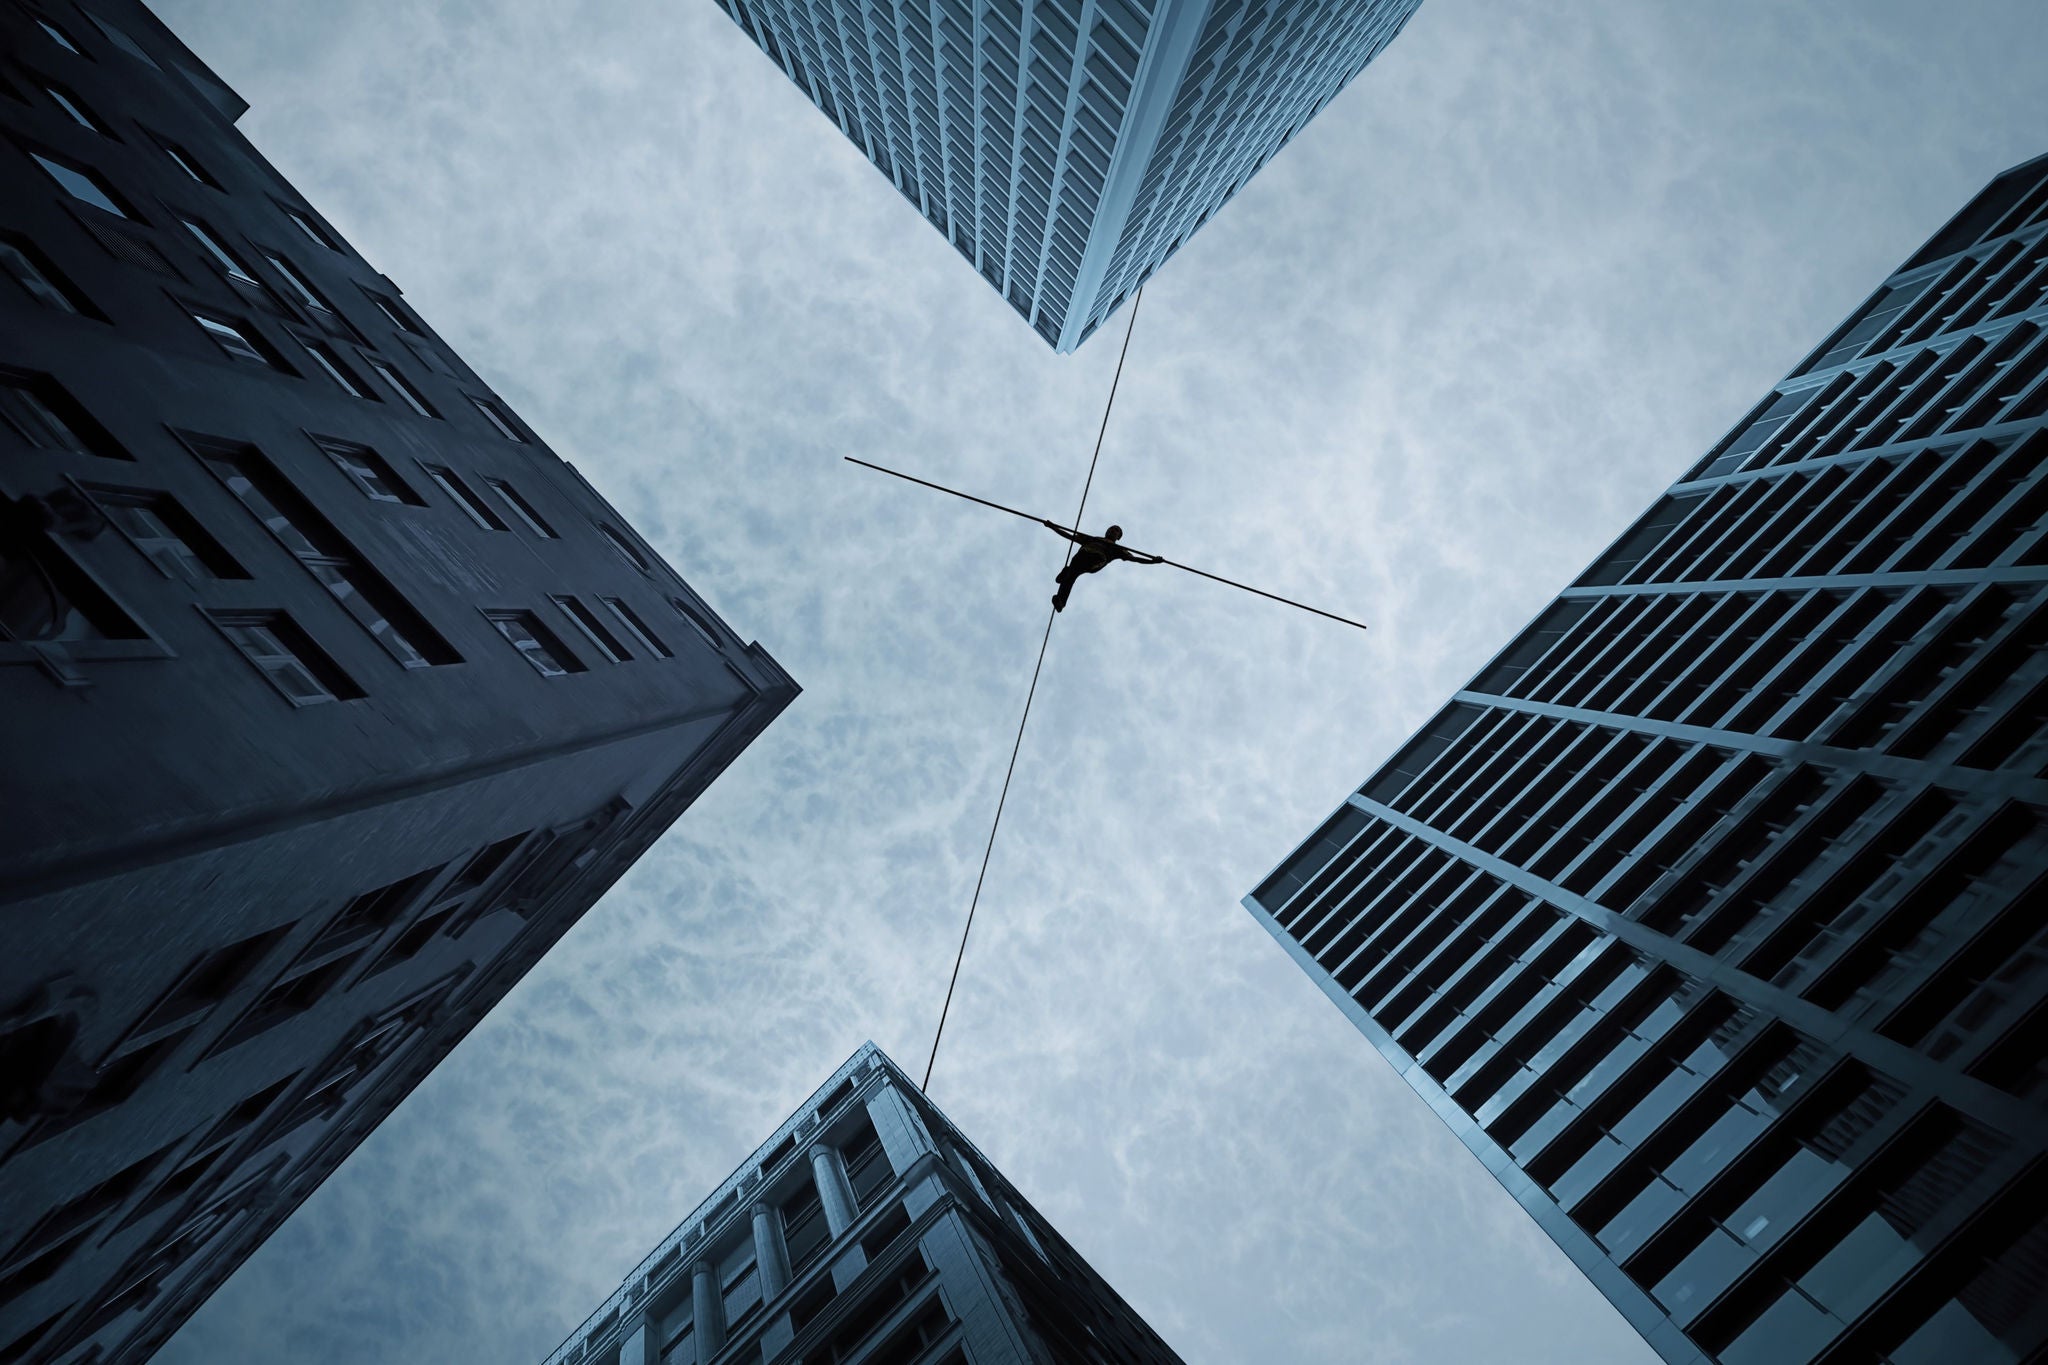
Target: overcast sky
{"points": [[1433, 358]]}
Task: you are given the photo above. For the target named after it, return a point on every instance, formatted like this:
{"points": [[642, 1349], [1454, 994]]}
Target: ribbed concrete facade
{"points": [[330, 697], [865, 1231], [1068, 147], [1710, 914]]}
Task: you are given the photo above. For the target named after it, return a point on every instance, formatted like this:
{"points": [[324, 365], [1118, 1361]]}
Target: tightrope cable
{"points": [[1030, 693]]}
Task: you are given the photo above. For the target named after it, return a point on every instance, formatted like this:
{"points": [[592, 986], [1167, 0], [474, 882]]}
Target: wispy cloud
{"points": [[1428, 363]]}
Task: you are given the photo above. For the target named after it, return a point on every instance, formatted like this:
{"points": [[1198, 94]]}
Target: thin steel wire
{"points": [[1002, 800]]}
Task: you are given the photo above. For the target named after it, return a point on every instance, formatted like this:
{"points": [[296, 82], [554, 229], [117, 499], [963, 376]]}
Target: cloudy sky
{"points": [[1503, 290]]}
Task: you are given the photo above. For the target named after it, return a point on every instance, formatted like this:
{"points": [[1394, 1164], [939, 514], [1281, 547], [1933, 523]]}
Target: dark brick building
{"points": [[865, 1231], [1710, 914], [330, 696]]}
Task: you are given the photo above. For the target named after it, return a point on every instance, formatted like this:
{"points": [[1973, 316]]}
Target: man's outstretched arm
{"points": [[1063, 531]]}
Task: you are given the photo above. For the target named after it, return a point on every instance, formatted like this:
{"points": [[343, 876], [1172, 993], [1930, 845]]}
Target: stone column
{"points": [[770, 1253], [708, 1312], [833, 1190]]}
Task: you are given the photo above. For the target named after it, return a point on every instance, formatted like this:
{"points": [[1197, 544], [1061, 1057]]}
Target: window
{"points": [[166, 534], [47, 599], [120, 39], [209, 979], [83, 185], [329, 363], [404, 389], [867, 1165], [499, 419], [394, 310], [40, 280], [593, 626], [740, 1288], [34, 408], [626, 549], [696, 620], [522, 509], [58, 36], [239, 340], [76, 108], [312, 539], [296, 284], [465, 497], [185, 161], [637, 628], [305, 224], [804, 1230], [370, 914], [536, 642], [286, 656], [369, 472], [222, 257]]}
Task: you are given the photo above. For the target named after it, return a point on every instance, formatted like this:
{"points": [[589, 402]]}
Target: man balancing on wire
{"points": [[1095, 553]]}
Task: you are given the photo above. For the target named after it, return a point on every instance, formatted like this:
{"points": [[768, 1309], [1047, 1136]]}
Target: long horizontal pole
{"points": [[1170, 563]]}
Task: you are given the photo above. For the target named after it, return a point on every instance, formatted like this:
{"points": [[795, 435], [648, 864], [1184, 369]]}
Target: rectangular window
{"points": [[391, 308], [185, 161], [522, 509], [305, 224], [466, 497], [867, 1165], [369, 471], [696, 619], [295, 283], [313, 541], [498, 418], [83, 185], [626, 549], [58, 36], [286, 656], [539, 646], [329, 363], [593, 626], [71, 607], [239, 340], [222, 257], [166, 534], [119, 38], [39, 279], [404, 388], [637, 628], [76, 109], [36, 409]]}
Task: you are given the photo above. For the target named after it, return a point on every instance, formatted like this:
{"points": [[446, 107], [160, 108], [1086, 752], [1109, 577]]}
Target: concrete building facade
{"points": [[1709, 914], [1067, 148], [330, 696], [865, 1231]]}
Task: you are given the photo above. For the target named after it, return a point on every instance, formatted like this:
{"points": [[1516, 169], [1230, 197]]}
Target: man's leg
{"points": [[1071, 571]]}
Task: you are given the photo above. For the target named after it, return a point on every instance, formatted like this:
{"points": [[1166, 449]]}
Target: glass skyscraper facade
{"points": [[1710, 915], [1068, 147], [865, 1231]]}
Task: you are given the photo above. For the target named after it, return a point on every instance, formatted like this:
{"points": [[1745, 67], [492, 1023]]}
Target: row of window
{"points": [[174, 540], [1655, 1112], [239, 338]]}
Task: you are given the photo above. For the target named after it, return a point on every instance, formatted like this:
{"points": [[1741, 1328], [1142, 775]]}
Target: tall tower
{"points": [[1068, 147], [330, 697], [1709, 915], [865, 1231]]}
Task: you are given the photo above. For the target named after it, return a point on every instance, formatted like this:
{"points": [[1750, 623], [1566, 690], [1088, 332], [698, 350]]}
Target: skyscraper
{"points": [[1068, 147], [330, 697], [865, 1231], [1709, 915]]}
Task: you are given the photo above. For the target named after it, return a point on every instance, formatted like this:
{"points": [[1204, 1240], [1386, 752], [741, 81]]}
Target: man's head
{"points": [[1113, 533]]}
